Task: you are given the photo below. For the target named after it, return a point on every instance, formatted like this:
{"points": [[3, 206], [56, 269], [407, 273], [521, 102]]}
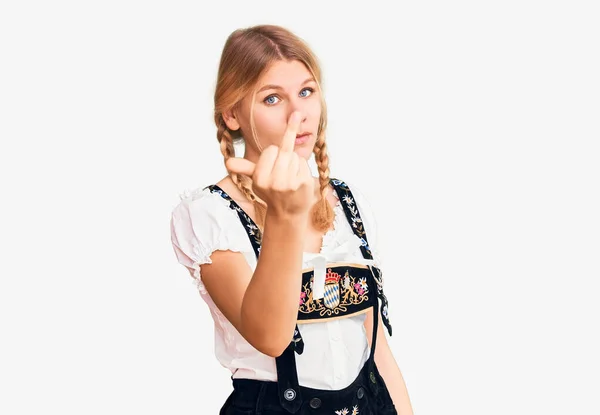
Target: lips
{"points": [[302, 138]]}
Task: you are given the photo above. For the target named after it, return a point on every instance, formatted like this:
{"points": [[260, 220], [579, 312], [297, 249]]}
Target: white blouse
{"points": [[334, 350]]}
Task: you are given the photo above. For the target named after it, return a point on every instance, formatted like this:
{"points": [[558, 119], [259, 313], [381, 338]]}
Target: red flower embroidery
{"points": [[302, 295], [359, 289]]}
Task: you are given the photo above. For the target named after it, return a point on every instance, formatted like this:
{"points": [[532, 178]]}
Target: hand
{"points": [[280, 177]]}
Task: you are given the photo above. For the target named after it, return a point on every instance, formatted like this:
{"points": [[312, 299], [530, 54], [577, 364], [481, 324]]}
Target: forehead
{"points": [[286, 74]]}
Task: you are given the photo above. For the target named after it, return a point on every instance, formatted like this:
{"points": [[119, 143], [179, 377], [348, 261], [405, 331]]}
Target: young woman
{"points": [[286, 261]]}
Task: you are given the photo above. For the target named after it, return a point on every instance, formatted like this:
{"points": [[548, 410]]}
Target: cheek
{"points": [[270, 126], [314, 111]]}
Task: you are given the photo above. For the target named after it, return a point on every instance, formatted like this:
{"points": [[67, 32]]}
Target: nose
{"points": [[298, 105], [303, 115]]}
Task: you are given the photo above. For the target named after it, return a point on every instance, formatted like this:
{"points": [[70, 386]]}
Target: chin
{"points": [[304, 152]]}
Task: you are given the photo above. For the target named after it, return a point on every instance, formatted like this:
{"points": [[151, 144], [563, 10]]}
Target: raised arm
{"points": [[263, 305]]}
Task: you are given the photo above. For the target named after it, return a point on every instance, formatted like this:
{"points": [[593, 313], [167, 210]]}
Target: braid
{"points": [[242, 182], [323, 214], [225, 140], [260, 207]]}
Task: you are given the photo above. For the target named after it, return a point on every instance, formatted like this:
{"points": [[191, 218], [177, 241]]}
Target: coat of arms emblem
{"points": [[331, 297]]}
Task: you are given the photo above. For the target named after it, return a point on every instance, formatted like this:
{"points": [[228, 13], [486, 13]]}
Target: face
{"points": [[287, 86]]}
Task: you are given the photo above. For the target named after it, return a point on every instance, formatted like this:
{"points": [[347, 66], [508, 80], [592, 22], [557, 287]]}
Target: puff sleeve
{"points": [[200, 224]]}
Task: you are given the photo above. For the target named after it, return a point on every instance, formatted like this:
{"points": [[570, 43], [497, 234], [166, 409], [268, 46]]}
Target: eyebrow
{"points": [[264, 88]]}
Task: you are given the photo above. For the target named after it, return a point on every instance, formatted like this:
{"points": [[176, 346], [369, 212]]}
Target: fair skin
{"points": [[263, 309]]}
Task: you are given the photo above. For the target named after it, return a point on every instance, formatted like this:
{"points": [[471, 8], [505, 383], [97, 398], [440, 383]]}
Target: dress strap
{"points": [[353, 216], [253, 231]]}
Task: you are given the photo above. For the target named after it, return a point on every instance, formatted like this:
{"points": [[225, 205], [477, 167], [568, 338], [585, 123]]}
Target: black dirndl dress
{"points": [[367, 394]]}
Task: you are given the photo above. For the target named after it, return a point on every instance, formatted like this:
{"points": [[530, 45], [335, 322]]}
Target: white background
{"points": [[472, 127]]}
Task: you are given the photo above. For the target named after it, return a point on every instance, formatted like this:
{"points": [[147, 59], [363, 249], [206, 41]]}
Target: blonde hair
{"points": [[246, 55]]}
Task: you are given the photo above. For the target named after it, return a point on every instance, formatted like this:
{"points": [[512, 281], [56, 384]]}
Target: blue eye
{"points": [[273, 99], [307, 89], [269, 100]]}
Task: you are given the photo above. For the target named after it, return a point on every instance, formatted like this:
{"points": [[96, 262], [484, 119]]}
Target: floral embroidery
{"points": [[340, 183], [340, 293], [302, 296], [352, 213], [361, 286], [345, 411], [358, 288]]}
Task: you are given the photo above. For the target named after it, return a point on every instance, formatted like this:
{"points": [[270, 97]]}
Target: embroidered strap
{"points": [[251, 229], [352, 214]]}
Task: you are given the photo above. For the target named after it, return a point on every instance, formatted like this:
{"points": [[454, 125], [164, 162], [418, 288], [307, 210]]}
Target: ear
{"points": [[230, 120]]}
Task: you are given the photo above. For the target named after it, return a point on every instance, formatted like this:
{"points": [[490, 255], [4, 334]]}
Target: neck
{"points": [[251, 155]]}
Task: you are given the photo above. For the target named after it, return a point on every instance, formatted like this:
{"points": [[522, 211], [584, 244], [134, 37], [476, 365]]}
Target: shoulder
{"points": [[196, 199], [200, 208]]}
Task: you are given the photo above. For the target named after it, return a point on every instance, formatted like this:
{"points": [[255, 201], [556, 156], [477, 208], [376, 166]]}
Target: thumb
{"points": [[240, 166]]}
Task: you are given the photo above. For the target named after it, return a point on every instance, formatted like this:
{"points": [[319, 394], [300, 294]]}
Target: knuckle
{"points": [[278, 188], [282, 185]]}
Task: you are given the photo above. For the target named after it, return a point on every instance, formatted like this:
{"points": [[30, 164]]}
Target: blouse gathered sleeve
{"points": [[201, 224]]}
